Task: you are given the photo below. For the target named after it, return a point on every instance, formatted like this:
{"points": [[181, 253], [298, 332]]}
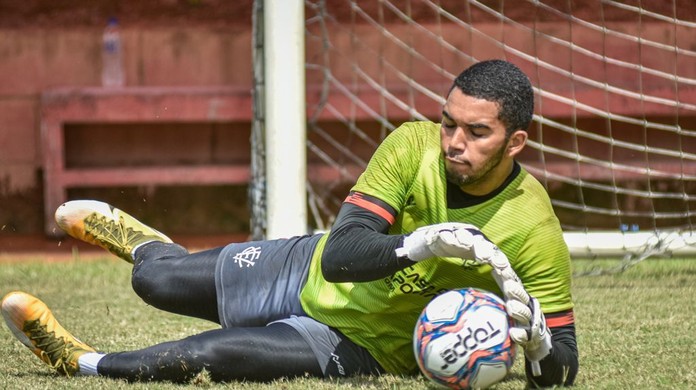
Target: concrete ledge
{"points": [[132, 105]]}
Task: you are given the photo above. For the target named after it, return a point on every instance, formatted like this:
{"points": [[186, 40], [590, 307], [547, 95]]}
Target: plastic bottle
{"points": [[112, 56]]}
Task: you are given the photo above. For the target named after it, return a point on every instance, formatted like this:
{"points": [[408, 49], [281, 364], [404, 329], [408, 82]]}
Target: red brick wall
{"points": [[33, 60]]}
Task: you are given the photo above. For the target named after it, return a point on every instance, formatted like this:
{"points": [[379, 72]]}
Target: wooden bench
{"points": [[132, 105]]}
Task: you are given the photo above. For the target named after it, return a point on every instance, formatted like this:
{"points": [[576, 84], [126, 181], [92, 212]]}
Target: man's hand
{"points": [[447, 240], [530, 331]]}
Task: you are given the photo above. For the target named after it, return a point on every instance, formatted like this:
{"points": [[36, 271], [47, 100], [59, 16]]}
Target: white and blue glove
{"points": [[448, 239], [530, 331]]}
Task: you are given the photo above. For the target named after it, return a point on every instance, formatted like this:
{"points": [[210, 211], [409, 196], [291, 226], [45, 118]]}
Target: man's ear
{"points": [[516, 142]]}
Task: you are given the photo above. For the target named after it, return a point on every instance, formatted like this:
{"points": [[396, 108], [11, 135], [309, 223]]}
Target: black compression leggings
{"points": [[253, 354], [169, 278]]}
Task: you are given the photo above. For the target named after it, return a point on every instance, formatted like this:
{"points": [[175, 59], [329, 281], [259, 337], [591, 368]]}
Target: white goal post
{"points": [[285, 120]]}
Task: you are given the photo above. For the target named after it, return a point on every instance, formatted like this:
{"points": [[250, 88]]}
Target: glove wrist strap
{"points": [[415, 247]]}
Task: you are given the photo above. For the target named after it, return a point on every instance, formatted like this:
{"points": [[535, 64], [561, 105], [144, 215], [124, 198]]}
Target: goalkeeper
{"points": [[421, 220]]}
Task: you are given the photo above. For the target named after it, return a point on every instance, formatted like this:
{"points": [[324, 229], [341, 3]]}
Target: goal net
{"points": [[613, 138]]}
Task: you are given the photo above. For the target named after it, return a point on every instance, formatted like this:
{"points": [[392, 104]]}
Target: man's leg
{"points": [[251, 354], [165, 275], [257, 354]]}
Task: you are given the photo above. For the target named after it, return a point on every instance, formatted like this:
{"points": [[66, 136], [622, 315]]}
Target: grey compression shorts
{"points": [[259, 282]]}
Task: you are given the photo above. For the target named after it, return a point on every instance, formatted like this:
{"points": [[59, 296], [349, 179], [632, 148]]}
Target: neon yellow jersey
{"points": [[407, 172]]}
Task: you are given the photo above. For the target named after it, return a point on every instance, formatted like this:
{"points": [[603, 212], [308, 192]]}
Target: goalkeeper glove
{"points": [[449, 239], [530, 331]]}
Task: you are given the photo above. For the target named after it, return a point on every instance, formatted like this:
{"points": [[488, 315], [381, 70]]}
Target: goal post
{"points": [[613, 138], [279, 128]]}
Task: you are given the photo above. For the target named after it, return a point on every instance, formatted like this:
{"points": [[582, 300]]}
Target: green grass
{"points": [[635, 329]]}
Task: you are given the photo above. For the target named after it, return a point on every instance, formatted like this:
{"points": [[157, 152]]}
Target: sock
{"points": [[88, 363]]}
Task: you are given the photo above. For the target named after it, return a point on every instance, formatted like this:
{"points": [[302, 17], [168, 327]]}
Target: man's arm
{"points": [[358, 248]]}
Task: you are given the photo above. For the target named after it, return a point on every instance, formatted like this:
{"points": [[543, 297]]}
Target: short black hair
{"points": [[503, 83]]}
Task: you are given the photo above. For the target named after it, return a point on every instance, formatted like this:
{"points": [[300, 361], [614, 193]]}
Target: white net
{"points": [[614, 132]]}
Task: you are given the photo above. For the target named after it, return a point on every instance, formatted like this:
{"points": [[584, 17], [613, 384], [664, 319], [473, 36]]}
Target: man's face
{"points": [[474, 143]]}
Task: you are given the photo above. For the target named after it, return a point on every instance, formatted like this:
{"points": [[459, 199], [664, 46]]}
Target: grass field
{"points": [[635, 329]]}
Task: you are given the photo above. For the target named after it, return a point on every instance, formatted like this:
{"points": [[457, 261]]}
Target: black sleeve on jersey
{"points": [[358, 248], [561, 366]]}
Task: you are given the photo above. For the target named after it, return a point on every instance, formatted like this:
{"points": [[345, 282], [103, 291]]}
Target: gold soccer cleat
{"points": [[106, 226], [31, 321]]}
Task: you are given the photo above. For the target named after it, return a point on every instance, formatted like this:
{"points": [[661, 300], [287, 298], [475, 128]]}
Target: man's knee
{"points": [[146, 280], [149, 272]]}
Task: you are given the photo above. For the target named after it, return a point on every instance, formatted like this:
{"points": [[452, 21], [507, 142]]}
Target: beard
{"points": [[463, 179]]}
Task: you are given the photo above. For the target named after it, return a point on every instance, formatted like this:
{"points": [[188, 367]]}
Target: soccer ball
{"points": [[461, 339]]}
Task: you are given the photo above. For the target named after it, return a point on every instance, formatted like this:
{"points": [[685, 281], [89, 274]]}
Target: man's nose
{"points": [[459, 140]]}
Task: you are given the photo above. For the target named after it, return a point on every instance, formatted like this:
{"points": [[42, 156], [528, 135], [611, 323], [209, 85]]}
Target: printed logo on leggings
{"points": [[248, 256], [340, 368]]}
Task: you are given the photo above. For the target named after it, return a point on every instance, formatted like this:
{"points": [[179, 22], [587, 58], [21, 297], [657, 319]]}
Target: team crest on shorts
{"points": [[248, 256]]}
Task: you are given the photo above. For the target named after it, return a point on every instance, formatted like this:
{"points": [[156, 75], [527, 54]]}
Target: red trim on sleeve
{"points": [[557, 320], [357, 199]]}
